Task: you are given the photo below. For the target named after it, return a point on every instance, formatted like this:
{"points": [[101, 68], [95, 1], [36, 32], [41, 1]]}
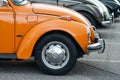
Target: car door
{"points": [[6, 29]]}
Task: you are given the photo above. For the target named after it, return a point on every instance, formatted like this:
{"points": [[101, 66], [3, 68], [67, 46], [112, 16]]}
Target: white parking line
{"points": [[113, 43], [114, 32], [112, 61]]}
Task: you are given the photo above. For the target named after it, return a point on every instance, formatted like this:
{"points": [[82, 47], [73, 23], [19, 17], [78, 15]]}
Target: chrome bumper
{"points": [[109, 21], [98, 45]]}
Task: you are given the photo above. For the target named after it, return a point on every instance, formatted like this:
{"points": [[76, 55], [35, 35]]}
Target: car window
{"points": [[20, 2], [1, 3]]}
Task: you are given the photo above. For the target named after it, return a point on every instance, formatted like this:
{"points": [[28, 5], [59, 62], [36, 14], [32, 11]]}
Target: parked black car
{"points": [[112, 6], [119, 0]]}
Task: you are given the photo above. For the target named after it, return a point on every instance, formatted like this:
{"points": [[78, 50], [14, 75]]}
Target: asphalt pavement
{"points": [[27, 70]]}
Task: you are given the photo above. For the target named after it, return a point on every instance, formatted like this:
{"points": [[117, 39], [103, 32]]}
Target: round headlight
{"points": [[88, 32]]}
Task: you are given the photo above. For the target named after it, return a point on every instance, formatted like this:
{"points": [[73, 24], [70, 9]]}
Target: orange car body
{"points": [[22, 26]]}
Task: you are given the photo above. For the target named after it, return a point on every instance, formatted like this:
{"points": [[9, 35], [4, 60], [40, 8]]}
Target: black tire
{"points": [[41, 55], [90, 18]]}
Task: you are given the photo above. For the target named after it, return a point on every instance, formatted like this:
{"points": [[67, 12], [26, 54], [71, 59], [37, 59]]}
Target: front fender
{"points": [[75, 29]]}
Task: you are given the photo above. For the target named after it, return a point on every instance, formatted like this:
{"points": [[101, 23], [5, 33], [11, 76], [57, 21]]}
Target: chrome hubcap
{"points": [[55, 55]]}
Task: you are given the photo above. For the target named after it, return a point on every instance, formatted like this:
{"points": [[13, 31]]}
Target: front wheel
{"points": [[55, 54]]}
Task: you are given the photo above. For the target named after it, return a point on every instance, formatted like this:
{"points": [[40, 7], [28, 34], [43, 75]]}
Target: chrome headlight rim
{"points": [[88, 33]]}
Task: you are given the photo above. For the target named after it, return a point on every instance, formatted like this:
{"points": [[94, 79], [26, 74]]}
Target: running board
{"points": [[8, 56]]}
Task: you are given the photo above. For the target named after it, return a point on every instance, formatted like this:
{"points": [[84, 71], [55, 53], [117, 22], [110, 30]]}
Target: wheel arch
{"points": [[86, 12], [80, 11], [79, 49], [85, 9], [27, 44]]}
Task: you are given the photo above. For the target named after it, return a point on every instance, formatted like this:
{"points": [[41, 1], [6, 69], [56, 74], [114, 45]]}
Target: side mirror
{"points": [[5, 3], [1, 2]]}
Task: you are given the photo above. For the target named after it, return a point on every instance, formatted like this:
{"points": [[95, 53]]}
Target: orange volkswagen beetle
{"points": [[55, 36]]}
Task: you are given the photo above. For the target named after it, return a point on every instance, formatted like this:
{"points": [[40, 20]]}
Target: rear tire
{"points": [[55, 54]]}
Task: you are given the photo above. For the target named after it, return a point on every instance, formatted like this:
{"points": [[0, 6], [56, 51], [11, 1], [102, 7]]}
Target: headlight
{"points": [[97, 35], [94, 28], [88, 33]]}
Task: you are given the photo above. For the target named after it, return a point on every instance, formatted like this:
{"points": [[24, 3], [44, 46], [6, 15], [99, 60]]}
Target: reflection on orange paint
{"points": [[22, 26]]}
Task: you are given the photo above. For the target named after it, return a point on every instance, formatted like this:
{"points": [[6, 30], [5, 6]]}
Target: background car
{"points": [[112, 6], [89, 8], [118, 0], [108, 17]]}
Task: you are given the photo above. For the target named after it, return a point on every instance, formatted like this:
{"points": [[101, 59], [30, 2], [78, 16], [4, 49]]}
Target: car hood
{"points": [[58, 11]]}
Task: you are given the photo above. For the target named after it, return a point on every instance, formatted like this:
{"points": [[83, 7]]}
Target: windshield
{"points": [[1, 2], [20, 2]]}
